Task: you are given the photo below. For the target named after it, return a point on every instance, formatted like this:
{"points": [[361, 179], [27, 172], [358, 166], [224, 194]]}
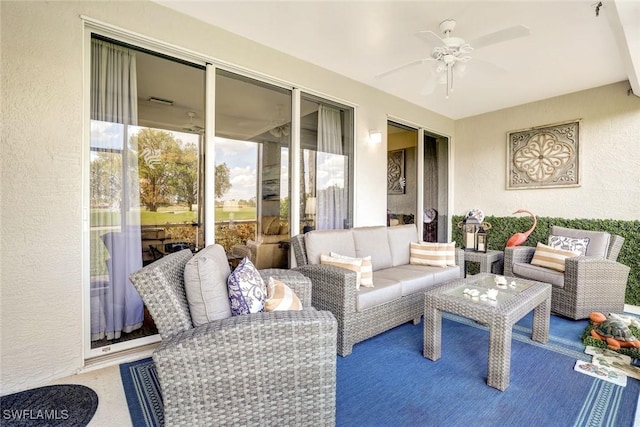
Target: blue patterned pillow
{"points": [[247, 291]]}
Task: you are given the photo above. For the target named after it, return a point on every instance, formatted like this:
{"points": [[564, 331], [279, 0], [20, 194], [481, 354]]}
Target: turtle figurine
{"points": [[613, 331]]}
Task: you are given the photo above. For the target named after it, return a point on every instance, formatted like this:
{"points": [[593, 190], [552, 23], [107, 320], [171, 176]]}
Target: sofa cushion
{"points": [[349, 263], [384, 291], [281, 297], [366, 269], [569, 243], [410, 280], [205, 283], [247, 291], [373, 241], [540, 274], [399, 239], [548, 257], [598, 240], [320, 242], [433, 254], [270, 225]]}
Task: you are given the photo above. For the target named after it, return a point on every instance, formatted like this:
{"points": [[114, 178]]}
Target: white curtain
{"points": [[331, 171], [117, 307]]}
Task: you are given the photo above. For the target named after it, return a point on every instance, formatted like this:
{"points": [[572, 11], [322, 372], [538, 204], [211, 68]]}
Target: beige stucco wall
{"points": [[41, 250], [610, 154]]}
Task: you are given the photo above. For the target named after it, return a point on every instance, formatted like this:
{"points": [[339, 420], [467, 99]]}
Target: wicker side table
{"points": [[485, 259], [512, 304]]}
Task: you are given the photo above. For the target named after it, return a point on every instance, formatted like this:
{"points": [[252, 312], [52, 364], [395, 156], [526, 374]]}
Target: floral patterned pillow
{"points": [[569, 244], [247, 291]]}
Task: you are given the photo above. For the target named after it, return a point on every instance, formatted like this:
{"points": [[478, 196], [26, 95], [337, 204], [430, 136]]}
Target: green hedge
{"points": [[503, 227]]}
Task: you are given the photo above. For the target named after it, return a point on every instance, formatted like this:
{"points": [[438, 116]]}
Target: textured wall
{"points": [[610, 153], [41, 196], [42, 170]]}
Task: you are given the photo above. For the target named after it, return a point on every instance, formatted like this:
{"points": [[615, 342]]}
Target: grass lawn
{"points": [[167, 215]]}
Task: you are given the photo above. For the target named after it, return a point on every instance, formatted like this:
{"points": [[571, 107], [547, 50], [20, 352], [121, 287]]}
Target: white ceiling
{"points": [[569, 49]]}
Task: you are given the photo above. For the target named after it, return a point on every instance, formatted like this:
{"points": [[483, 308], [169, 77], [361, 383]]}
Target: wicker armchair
{"points": [[276, 368], [589, 283]]}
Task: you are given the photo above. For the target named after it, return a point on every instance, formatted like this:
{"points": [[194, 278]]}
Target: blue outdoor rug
{"points": [[387, 382]]}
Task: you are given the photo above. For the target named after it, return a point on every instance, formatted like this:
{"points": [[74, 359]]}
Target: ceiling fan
{"points": [[192, 127], [450, 50]]}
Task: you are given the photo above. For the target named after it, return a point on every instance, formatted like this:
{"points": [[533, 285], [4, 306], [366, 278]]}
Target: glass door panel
{"points": [[253, 134], [402, 163], [145, 177], [326, 165]]}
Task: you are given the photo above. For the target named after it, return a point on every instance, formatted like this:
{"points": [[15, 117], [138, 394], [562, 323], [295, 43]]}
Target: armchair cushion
{"points": [[546, 256], [281, 297], [540, 274], [247, 291], [598, 240], [205, 282]]}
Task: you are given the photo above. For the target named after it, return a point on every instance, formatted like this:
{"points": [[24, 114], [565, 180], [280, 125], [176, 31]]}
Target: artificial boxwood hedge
{"points": [[503, 227]]}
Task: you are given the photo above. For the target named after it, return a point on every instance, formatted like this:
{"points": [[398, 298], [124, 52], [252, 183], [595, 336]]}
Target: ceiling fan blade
{"points": [[510, 33], [402, 67], [431, 38]]}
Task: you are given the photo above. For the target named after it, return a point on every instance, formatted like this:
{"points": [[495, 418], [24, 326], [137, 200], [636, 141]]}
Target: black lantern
{"points": [[469, 229], [481, 240]]}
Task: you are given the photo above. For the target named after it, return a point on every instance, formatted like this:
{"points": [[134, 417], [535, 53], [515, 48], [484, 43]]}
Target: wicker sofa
{"points": [[397, 295], [276, 368], [593, 282]]}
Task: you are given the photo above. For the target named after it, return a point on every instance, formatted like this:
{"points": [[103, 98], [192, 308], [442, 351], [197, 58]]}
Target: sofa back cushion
{"points": [[598, 240], [374, 242], [320, 242], [400, 238]]}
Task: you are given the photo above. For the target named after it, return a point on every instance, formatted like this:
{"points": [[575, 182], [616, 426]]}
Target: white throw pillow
{"points": [[353, 264], [366, 269], [433, 254], [205, 283]]}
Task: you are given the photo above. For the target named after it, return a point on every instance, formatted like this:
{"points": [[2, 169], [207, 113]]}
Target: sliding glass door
{"points": [[144, 180], [149, 155], [253, 134]]}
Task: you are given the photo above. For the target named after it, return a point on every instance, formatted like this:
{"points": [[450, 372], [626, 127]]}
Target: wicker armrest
{"points": [[585, 272], [515, 255], [298, 282], [333, 289], [207, 372]]}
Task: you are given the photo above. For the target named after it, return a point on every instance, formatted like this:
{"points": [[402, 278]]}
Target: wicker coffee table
{"points": [[511, 305]]}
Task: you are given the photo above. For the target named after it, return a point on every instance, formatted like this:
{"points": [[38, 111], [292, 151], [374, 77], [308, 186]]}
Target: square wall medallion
{"points": [[544, 157]]}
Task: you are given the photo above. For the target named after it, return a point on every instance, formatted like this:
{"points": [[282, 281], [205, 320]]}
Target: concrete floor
{"points": [[112, 404]]}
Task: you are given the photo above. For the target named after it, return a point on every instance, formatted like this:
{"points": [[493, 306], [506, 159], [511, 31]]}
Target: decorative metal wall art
{"points": [[396, 182], [544, 157]]}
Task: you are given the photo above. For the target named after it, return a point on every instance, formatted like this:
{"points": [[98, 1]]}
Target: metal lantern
{"points": [[481, 240], [469, 229]]}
